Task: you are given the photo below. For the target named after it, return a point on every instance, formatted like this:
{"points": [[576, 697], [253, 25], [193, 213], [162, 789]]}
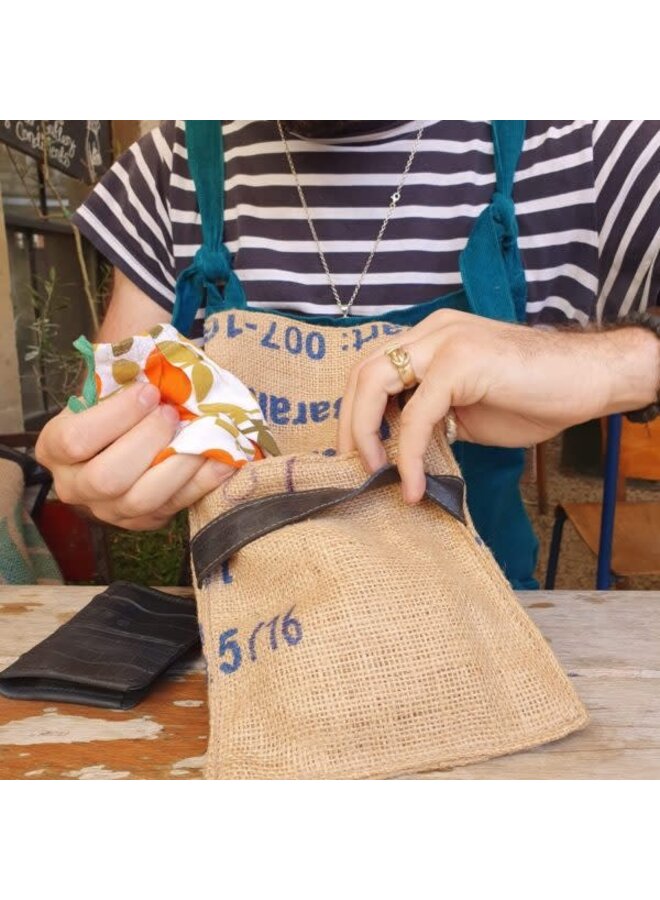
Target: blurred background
{"points": [[53, 288]]}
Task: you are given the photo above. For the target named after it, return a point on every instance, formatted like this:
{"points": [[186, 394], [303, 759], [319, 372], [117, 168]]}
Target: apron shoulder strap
{"points": [[491, 266], [508, 138], [210, 277], [207, 166]]}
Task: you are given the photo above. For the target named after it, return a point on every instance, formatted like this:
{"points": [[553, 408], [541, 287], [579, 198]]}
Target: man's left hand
{"points": [[509, 385]]}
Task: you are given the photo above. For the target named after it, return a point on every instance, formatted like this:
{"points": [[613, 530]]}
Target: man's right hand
{"points": [[100, 459]]}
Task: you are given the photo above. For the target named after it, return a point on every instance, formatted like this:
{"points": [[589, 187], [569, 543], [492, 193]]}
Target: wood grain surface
{"points": [[609, 643]]}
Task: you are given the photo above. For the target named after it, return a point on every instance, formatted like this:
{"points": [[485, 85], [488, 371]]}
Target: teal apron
{"points": [[493, 287]]}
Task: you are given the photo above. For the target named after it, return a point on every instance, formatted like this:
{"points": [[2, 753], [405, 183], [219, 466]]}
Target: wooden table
{"points": [[608, 642]]}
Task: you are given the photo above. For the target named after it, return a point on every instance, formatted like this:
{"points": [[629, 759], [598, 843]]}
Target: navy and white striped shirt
{"points": [[587, 198]]}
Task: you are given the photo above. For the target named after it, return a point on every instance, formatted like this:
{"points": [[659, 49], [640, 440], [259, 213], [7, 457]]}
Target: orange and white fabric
{"points": [[220, 417]]}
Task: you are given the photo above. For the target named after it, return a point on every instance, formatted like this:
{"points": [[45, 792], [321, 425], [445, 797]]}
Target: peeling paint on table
{"points": [[96, 772], [184, 766], [54, 728]]}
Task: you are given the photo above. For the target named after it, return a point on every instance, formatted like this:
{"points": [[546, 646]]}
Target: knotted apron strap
{"points": [[220, 539], [210, 276], [491, 267]]}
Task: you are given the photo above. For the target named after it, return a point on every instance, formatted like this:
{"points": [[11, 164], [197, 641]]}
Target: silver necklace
{"points": [[394, 199]]}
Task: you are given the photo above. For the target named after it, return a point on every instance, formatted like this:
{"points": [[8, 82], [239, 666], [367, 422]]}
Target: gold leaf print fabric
{"points": [[219, 417]]}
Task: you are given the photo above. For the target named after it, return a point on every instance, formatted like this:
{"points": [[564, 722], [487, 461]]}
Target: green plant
{"points": [[57, 372], [150, 557]]}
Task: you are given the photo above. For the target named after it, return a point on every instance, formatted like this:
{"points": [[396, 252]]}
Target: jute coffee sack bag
{"points": [[347, 634]]}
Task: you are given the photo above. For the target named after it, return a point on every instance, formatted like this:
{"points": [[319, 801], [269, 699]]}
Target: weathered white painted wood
{"points": [[608, 642], [54, 727]]}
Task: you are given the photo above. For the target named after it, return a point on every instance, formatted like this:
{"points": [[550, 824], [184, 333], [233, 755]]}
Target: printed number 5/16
{"points": [[291, 631]]}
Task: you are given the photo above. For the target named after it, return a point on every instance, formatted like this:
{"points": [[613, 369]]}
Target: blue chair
{"points": [[634, 549]]}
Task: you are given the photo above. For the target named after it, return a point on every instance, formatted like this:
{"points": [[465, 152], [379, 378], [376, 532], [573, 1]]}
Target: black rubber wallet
{"points": [[110, 653]]}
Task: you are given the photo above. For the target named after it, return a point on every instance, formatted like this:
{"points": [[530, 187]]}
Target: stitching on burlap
{"points": [[252, 504], [296, 518], [349, 494]]}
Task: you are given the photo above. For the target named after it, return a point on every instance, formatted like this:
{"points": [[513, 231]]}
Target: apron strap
{"points": [[207, 166], [508, 137], [210, 277], [217, 542], [491, 268]]}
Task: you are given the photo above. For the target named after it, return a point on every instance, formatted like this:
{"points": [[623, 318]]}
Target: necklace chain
{"points": [[394, 199]]}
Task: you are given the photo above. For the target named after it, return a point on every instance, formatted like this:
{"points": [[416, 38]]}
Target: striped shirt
{"points": [[587, 198]]}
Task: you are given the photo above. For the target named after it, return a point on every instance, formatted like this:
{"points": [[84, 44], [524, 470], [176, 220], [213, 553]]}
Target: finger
{"points": [[111, 473], [345, 439], [439, 319], [377, 380], [150, 493], [64, 483], [205, 480], [76, 437], [194, 477], [344, 433], [345, 442], [170, 486], [429, 405]]}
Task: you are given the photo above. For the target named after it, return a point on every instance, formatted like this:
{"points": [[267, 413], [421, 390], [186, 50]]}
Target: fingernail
{"points": [[376, 462], [220, 470], [149, 395], [408, 494], [169, 413]]}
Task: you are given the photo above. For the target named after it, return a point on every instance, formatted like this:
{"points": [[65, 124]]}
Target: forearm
{"points": [[630, 361], [569, 376]]}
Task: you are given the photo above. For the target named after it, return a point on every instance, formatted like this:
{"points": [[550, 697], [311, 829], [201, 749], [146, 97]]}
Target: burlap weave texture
{"points": [[376, 638]]}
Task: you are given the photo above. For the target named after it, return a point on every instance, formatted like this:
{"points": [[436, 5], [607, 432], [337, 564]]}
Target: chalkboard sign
{"points": [[79, 148]]}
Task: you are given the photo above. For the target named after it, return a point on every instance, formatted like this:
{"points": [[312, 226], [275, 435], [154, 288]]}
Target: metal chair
{"points": [[625, 536]]}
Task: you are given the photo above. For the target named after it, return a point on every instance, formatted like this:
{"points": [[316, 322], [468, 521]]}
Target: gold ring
{"points": [[400, 359], [451, 428]]}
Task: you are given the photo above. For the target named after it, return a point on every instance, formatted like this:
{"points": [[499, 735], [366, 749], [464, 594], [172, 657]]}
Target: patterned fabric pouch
{"points": [[219, 417]]}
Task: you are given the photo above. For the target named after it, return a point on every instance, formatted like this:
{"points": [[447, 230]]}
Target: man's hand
{"points": [[509, 385], [100, 459]]}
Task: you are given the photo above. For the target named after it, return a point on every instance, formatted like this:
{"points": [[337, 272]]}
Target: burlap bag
{"points": [[372, 638], [24, 556]]}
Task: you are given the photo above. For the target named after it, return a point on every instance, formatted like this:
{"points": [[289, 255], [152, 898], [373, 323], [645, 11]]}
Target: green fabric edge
{"points": [[89, 395]]}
